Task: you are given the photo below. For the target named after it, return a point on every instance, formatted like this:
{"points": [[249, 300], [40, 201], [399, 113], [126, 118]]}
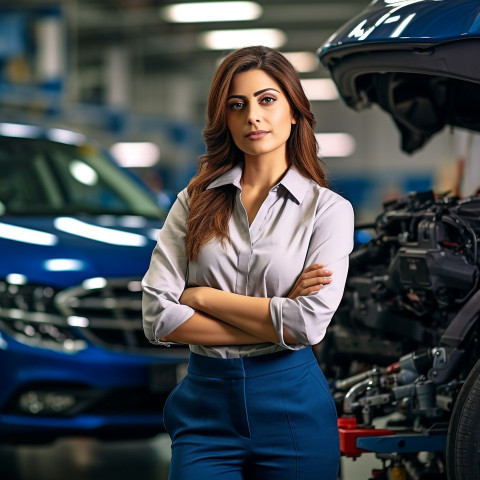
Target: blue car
{"points": [[76, 236], [413, 291]]}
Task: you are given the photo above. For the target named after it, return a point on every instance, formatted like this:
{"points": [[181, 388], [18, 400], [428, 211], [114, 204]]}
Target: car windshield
{"points": [[43, 177]]}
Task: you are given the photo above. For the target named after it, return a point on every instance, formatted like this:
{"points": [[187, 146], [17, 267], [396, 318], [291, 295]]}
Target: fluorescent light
{"points": [[18, 130], [99, 234], [63, 265], [132, 221], [303, 61], [231, 39], [83, 173], [94, 283], [135, 154], [75, 321], [320, 89], [66, 136], [335, 144], [402, 26], [16, 279], [389, 19], [211, 12], [27, 235], [129, 221]]}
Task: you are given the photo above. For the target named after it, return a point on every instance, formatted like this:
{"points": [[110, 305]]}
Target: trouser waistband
{"points": [[248, 366]]}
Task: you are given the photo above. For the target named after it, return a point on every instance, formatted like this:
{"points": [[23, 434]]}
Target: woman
{"points": [[236, 275]]}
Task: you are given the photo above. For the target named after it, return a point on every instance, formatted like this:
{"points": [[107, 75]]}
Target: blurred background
{"points": [[135, 74]]}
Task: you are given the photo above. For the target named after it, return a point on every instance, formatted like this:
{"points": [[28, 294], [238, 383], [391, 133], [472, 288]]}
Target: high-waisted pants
{"points": [[268, 417]]}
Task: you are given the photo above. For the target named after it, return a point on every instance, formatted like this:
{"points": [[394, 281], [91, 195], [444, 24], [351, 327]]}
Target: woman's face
{"points": [[259, 116]]}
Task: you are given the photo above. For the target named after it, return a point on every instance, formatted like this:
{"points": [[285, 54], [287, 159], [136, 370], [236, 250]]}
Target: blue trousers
{"points": [[269, 417]]}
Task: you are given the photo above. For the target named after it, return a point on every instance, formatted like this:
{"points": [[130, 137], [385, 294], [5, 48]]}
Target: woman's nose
{"points": [[253, 115]]}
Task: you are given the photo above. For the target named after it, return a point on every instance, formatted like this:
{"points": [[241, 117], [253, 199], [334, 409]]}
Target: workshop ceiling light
{"points": [[320, 89], [335, 144], [303, 61], [135, 154], [211, 12], [232, 39]]}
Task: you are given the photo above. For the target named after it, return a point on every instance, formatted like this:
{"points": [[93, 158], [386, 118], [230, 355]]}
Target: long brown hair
{"points": [[210, 210]]}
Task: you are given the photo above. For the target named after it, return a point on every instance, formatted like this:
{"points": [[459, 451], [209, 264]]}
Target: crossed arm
{"points": [[224, 318]]}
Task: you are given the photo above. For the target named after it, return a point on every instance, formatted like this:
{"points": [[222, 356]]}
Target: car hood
{"points": [[64, 251], [416, 59]]}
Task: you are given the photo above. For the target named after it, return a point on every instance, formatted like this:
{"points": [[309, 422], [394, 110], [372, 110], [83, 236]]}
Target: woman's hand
{"points": [[311, 280]]}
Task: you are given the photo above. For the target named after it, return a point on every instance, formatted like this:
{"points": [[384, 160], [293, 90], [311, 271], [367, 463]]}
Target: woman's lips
{"points": [[257, 134]]}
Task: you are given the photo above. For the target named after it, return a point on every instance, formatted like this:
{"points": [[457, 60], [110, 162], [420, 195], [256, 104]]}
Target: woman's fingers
{"points": [[313, 278], [315, 266], [316, 280], [318, 273]]}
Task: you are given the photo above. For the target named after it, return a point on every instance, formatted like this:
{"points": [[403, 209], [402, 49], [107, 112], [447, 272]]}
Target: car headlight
{"points": [[28, 314]]}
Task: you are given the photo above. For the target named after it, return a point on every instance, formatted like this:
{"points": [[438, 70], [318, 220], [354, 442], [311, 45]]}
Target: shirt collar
{"points": [[295, 183], [231, 176]]}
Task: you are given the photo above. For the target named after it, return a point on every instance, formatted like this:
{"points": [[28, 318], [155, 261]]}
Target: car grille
{"points": [[109, 312]]}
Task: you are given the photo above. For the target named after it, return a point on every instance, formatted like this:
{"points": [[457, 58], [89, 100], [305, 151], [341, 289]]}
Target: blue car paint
{"points": [[390, 24], [96, 257]]}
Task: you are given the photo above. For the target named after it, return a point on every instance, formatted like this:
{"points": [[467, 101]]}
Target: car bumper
{"points": [[96, 392]]}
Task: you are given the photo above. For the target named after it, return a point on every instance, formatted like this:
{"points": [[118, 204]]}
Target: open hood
{"points": [[417, 59]]}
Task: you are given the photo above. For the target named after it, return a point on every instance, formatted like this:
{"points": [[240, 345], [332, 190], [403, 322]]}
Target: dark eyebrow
{"points": [[243, 97], [256, 94]]}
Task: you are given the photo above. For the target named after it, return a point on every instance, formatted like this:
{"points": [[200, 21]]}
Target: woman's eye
{"points": [[267, 100], [235, 106]]}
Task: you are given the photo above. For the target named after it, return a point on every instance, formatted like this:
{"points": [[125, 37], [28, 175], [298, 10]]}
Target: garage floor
{"points": [[87, 459]]}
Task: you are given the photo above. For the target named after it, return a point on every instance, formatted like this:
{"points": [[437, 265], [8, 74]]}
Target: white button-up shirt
{"points": [[298, 224]]}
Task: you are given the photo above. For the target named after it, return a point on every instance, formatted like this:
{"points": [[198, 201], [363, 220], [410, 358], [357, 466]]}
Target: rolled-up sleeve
{"points": [[165, 279], [307, 317]]}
